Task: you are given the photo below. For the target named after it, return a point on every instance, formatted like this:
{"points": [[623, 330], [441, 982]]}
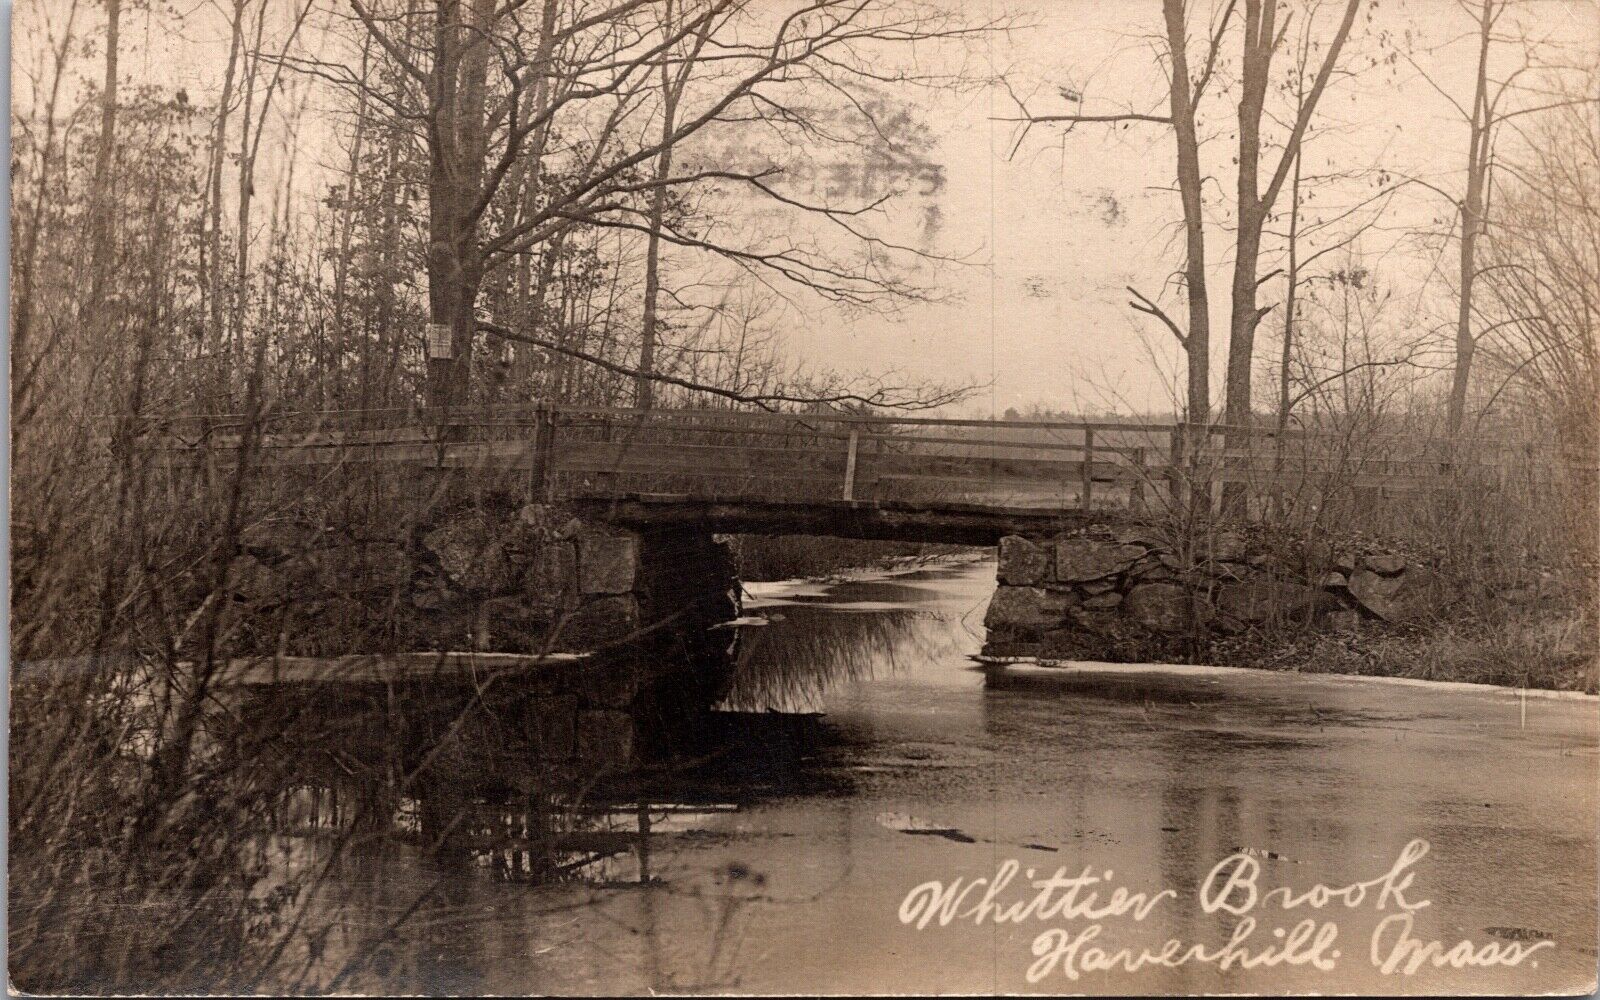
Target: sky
{"points": [[1065, 220], [1051, 226]]}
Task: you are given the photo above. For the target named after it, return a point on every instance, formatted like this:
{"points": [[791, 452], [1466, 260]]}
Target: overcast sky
{"points": [[1068, 219], [1054, 226]]}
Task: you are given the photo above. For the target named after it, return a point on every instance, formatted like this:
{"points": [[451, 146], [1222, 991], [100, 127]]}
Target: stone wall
{"points": [[1130, 595], [497, 576]]}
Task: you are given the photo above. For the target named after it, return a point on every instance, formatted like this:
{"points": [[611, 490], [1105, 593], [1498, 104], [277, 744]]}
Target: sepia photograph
{"points": [[803, 497]]}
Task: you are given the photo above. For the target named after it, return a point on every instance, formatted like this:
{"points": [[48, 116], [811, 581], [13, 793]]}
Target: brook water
{"points": [[862, 753]]}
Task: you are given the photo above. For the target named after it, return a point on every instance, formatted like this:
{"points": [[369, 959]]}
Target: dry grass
{"points": [[1549, 649]]}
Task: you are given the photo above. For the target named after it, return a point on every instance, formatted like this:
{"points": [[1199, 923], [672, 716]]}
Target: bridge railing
{"points": [[572, 450]]}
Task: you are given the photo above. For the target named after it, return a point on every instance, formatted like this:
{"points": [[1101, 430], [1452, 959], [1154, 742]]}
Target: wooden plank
{"points": [[982, 442], [442, 666], [1041, 470], [1346, 482], [698, 456], [860, 418], [703, 444], [850, 467], [1013, 483], [1086, 481], [541, 472]]}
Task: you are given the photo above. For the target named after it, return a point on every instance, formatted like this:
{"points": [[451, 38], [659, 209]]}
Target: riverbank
{"points": [[1545, 647], [1552, 650]]}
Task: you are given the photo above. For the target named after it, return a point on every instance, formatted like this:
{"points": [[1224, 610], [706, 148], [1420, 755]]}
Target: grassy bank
{"points": [[1552, 649]]}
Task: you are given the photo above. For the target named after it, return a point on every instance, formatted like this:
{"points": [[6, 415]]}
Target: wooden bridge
{"points": [[801, 469]]}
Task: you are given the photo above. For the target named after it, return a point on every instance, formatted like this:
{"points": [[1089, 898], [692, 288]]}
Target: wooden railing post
{"points": [[873, 462], [1175, 466], [1136, 488], [541, 476], [1086, 491], [606, 480], [850, 465]]}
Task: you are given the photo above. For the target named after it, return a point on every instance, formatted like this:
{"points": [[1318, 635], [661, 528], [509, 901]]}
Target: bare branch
{"points": [[891, 398], [1144, 305]]}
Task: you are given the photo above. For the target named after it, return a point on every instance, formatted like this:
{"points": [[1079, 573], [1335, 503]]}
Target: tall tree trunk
{"points": [[24, 365], [1197, 341], [1471, 212], [388, 264], [643, 389], [341, 264], [246, 186], [219, 144], [1262, 36], [100, 200], [249, 148], [457, 147], [1293, 277], [531, 296], [1260, 26]]}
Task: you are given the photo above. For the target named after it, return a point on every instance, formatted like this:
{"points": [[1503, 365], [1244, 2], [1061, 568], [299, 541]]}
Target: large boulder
{"points": [[552, 574], [598, 623], [608, 562], [1027, 607], [1139, 534], [1082, 559], [1023, 563], [1160, 606], [546, 521], [471, 554], [1384, 565], [1413, 594]]}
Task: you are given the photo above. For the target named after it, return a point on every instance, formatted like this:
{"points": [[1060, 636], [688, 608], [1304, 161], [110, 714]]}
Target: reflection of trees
{"points": [[791, 664]]}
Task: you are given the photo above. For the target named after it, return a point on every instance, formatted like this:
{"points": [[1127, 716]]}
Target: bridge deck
{"points": [[722, 459]]}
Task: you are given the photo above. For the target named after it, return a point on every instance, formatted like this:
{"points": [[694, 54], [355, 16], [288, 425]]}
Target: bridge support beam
{"points": [[950, 523], [1127, 595], [582, 634]]}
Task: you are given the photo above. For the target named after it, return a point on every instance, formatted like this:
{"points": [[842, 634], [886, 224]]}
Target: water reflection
{"points": [[791, 668], [825, 638], [600, 844], [432, 768], [857, 753]]}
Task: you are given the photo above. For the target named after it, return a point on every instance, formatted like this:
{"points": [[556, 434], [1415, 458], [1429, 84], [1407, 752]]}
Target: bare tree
{"points": [[1496, 101], [212, 257], [37, 133], [1184, 94], [674, 80], [1539, 324], [100, 193], [478, 130], [1264, 35]]}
